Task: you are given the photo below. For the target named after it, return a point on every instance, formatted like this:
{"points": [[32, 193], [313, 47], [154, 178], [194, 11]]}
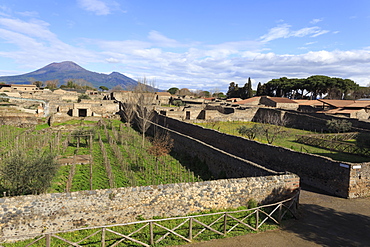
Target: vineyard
{"points": [[113, 153]]}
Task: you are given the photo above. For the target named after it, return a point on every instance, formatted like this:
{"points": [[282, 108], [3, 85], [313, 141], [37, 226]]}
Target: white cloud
{"points": [[34, 43], [99, 7], [29, 13], [197, 65], [283, 31], [162, 40], [314, 21], [33, 28]]}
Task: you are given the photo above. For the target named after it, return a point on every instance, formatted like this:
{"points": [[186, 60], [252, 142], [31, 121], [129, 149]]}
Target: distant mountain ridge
{"points": [[69, 70]]}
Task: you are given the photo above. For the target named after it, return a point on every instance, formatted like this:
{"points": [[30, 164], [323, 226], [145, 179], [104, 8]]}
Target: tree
{"points": [[249, 88], [338, 126], [103, 88], [260, 90], [28, 172], [37, 83], [234, 91], [128, 108], [219, 95], [52, 84], [144, 111], [250, 133], [173, 90], [83, 96], [161, 144], [272, 125], [185, 91]]}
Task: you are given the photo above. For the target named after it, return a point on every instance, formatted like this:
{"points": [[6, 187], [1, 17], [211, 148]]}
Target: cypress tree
{"points": [[249, 88], [259, 89]]}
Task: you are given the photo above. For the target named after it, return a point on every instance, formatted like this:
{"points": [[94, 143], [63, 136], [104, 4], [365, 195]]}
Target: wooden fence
{"points": [[334, 143], [185, 228]]}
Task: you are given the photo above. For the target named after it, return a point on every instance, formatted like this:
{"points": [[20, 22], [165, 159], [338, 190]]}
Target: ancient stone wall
{"points": [[19, 120], [359, 180], [220, 163], [60, 211], [314, 170], [309, 121]]}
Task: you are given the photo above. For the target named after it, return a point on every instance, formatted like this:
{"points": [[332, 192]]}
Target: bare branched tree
{"points": [[128, 108], [161, 144], [272, 125], [144, 107]]}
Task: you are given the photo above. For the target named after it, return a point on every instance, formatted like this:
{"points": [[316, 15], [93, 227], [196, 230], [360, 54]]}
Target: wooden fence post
{"points": [[103, 237], [151, 233], [225, 223], [191, 228], [257, 219], [47, 240]]}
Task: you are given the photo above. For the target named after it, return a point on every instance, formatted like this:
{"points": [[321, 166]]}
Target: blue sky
{"points": [[195, 44]]}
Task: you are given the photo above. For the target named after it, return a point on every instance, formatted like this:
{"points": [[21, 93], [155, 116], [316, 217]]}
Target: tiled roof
{"points": [[282, 100], [359, 104], [308, 102], [337, 103], [246, 101]]}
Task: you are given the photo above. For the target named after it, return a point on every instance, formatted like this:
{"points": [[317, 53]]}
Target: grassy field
{"points": [[288, 140], [118, 160]]}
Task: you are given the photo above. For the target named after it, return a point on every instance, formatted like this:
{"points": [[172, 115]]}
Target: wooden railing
{"points": [[331, 143], [155, 230]]}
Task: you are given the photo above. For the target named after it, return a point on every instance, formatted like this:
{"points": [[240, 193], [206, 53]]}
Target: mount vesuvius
{"points": [[67, 70]]}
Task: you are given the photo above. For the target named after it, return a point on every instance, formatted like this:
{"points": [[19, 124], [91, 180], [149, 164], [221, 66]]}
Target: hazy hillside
{"points": [[70, 70]]}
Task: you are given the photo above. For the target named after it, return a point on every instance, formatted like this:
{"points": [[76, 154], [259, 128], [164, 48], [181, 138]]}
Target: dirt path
{"points": [[325, 221]]}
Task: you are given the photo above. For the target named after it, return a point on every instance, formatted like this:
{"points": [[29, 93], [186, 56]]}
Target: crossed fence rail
{"points": [[334, 143], [191, 226]]}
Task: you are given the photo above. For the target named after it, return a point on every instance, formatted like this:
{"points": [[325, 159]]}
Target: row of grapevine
{"points": [[117, 157]]}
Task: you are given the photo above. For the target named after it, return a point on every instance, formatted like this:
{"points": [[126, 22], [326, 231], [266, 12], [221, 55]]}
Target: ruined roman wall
{"points": [[320, 172], [219, 163], [24, 215], [308, 121], [18, 120], [359, 180]]}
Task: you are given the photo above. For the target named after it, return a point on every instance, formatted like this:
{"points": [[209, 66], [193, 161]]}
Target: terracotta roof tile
{"points": [[337, 103], [282, 100]]}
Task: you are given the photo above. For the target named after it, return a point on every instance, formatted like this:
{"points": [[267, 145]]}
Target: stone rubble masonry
{"points": [[343, 179], [34, 214]]}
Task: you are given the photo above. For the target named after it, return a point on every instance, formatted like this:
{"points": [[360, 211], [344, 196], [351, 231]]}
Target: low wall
{"points": [[318, 171], [19, 120], [23, 215]]}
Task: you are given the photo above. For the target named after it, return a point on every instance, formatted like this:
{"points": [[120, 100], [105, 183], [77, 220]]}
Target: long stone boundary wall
{"points": [[220, 163], [24, 215], [338, 178], [308, 121]]}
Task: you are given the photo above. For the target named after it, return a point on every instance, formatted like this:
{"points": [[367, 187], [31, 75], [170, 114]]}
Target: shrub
{"points": [[25, 173], [338, 126]]}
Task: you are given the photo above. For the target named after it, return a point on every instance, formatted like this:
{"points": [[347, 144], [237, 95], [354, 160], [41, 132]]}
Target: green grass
{"points": [[287, 141], [144, 234]]}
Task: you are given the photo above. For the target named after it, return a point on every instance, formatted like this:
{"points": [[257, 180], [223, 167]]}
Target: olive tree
{"points": [[338, 126], [29, 172]]}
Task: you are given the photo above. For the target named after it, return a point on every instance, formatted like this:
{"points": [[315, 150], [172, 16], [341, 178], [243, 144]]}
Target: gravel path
{"points": [[324, 221]]}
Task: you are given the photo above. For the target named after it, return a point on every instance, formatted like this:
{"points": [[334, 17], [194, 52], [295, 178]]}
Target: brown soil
{"points": [[324, 221]]}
